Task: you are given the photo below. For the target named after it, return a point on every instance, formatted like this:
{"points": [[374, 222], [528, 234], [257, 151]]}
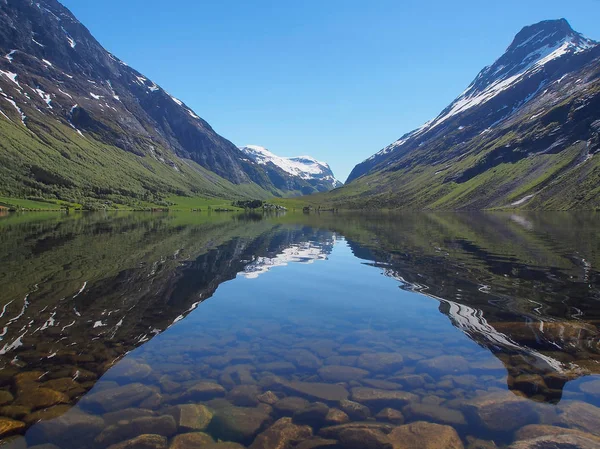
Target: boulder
{"points": [[127, 414], [290, 405], [434, 413], [19, 442], [143, 442], [390, 415], [303, 359], [354, 410], [533, 431], [364, 438], [423, 435], [339, 373], [72, 426], [592, 388], [565, 441], [318, 443], [10, 427], [65, 385], [46, 414], [129, 370], [374, 398], [268, 397], [380, 362], [238, 424], [314, 415], [501, 412], [581, 416], [36, 398], [191, 417], [17, 412], [124, 430], [281, 434], [442, 365], [279, 367], [194, 440], [203, 391], [333, 432], [318, 391], [336, 417], [6, 397], [113, 399], [244, 395]]}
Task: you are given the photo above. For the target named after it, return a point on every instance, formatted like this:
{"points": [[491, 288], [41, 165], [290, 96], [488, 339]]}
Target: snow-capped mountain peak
{"points": [[303, 167], [533, 48]]}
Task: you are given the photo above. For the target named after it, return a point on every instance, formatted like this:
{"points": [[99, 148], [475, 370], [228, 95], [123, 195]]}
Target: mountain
{"points": [[525, 133], [301, 174], [80, 125]]}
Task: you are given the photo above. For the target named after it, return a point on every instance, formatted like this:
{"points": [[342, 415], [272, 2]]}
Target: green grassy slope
{"points": [[48, 161]]}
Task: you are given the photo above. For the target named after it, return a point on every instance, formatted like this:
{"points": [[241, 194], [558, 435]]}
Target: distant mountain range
{"points": [[525, 133], [80, 125], [303, 174]]}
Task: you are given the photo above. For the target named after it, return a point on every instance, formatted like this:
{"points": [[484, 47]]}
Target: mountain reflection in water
{"points": [[81, 292]]}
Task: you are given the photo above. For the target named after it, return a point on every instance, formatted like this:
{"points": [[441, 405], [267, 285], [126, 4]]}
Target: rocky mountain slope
{"points": [[525, 133], [301, 174], [78, 124]]}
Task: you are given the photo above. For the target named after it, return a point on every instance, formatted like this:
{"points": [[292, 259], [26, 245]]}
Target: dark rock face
{"points": [[115, 103], [539, 98]]}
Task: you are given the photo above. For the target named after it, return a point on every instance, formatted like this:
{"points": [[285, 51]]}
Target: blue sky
{"points": [[334, 79]]}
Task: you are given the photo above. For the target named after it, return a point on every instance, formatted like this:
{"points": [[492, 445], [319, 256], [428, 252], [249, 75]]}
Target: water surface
{"points": [[298, 331]]}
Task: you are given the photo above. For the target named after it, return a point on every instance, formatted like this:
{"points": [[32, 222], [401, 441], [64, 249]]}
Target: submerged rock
{"points": [[129, 370], [565, 441], [239, 424], [592, 388], [123, 430], [580, 416], [380, 362], [355, 410], [390, 415], [290, 405], [194, 440], [434, 413], [46, 414], [333, 432], [533, 431], [314, 415], [72, 426], [339, 373], [204, 391], [10, 427], [318, 391], [442, 365], [373, 397], [244, 395], [501, 412], [280, 434], [143, 442], [127, 414], [336, 417], [318, 443], [6, 397], [423, 435], [191, 417], [118, 398], [36, 398], [364, 438], [268, 397]]}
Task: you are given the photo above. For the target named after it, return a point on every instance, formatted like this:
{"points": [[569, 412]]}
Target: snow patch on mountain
{"points": [[305, 167]]}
